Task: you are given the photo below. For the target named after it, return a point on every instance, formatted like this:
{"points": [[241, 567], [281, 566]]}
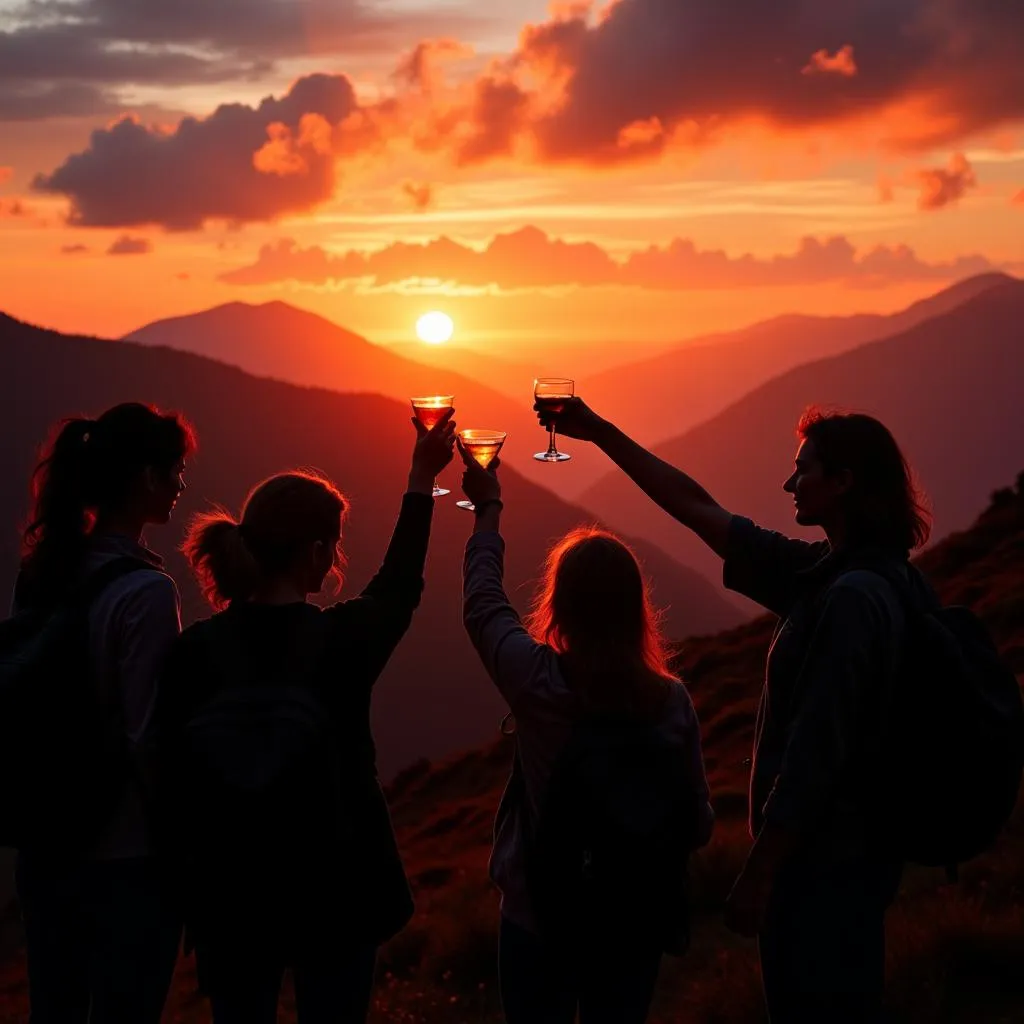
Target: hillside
{"points": [[433, 698], [288, 344], [666, 396], [949, 389]]}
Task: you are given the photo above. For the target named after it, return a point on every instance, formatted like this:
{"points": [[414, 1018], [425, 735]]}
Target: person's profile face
{"points": [[816, 495], [164, 488]]}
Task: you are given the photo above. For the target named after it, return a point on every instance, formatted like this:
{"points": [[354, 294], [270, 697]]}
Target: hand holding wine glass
{"points": [[433, 451], [429, 411], [574, 418], [479, 450], [551, 394]]}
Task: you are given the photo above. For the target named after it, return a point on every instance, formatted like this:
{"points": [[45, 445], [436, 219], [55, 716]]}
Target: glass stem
{"points": [[552, 450]]}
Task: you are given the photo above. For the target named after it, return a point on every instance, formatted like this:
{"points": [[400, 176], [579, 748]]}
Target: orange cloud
{"points": [[73, 250], [6, 173], [420, 195], [13, 208], [941, 187], [1018, 199], [128, 246], [239, 164], [529, 258], [580, 81], [823, 63], [423, 66]]}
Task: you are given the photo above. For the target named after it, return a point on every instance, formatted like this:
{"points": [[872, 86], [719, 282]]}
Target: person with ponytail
{"points": [[101, 926], [265, 750], [607, 795]]}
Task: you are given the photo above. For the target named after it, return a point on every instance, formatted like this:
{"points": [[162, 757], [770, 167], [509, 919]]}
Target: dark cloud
{"points": [[73, 250], [529, 258], [695, 69], [37, 101], [128, 246], [55, 49], [944, 186], [239, 164]]}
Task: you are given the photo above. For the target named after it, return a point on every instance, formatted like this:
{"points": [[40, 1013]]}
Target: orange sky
{"points": [[841, 166]]}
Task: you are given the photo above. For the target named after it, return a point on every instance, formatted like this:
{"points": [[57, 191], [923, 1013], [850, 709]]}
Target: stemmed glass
{"points": [[428, 410], [550, 394], [484, 446]]}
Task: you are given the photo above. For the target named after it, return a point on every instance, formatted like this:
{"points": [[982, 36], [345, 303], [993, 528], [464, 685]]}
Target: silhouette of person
{"points": [[265, 754], [589, 657], [101, 924], [818, 879]]}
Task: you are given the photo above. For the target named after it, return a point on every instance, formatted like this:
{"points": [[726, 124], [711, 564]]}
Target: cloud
{"points": [[927, 72], [421, 195], [14, 208], [824, 63], [73, 250], [529, 258], [239, 164], [128, 246], [1018, 199], [941, 187], [77, 57], [6, 173], [422, 67]]}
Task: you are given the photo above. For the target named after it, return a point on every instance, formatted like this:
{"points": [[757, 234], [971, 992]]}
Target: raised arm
{"points": [[381, 614], [516, 663], [678, 494]]}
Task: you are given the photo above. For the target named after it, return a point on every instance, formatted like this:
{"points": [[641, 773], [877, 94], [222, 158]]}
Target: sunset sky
{"points": [[633, 171]]}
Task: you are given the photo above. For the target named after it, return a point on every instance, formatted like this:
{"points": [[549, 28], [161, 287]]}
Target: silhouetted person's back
{"points": [[265, 754], [607, 796], [101, 924]]}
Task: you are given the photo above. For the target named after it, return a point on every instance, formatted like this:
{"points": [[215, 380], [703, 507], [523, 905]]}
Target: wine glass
{"points": [[428, 410], [550, 394], [483, 445]]}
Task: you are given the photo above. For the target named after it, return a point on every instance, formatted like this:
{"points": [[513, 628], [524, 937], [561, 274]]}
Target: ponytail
{"points": [[54, 539], [233, 558], [89, 468], [223, 565]]}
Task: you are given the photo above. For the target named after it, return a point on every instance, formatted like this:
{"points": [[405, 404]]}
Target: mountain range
{"points": [[433, 697], [949, 389]]}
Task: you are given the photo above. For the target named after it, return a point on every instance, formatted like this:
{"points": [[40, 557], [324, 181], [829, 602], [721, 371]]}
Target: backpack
{"points": [[608, 854], [64, 757], [952, 743], [258, 763]]}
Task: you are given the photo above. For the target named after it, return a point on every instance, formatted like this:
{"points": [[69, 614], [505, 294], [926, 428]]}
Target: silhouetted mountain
{"points": [[663, 397], [433, 697], [949, 389], [285, 343]]}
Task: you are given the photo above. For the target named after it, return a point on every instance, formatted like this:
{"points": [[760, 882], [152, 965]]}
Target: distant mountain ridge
{"points": [[433, 697], [949, 389], [660, 398], [285, 343]]}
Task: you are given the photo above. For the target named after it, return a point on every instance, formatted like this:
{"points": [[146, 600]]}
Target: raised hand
{"points": [[479, 484], [434, 448], [575, 419]]}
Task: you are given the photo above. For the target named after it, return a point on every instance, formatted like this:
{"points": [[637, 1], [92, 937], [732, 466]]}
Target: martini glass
{"points": [[483, 445], [551, 393], [429, 409]]}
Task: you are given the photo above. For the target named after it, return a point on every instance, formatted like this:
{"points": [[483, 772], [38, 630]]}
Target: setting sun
{"points": [[434, 328]]}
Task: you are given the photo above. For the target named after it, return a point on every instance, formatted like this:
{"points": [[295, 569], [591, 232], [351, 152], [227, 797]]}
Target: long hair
{"points": [[885, 504], [87, 469], [232, 558], [594, 608]]}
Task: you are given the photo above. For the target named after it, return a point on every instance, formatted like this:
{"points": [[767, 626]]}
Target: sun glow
{"points": [[434, 328]]}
